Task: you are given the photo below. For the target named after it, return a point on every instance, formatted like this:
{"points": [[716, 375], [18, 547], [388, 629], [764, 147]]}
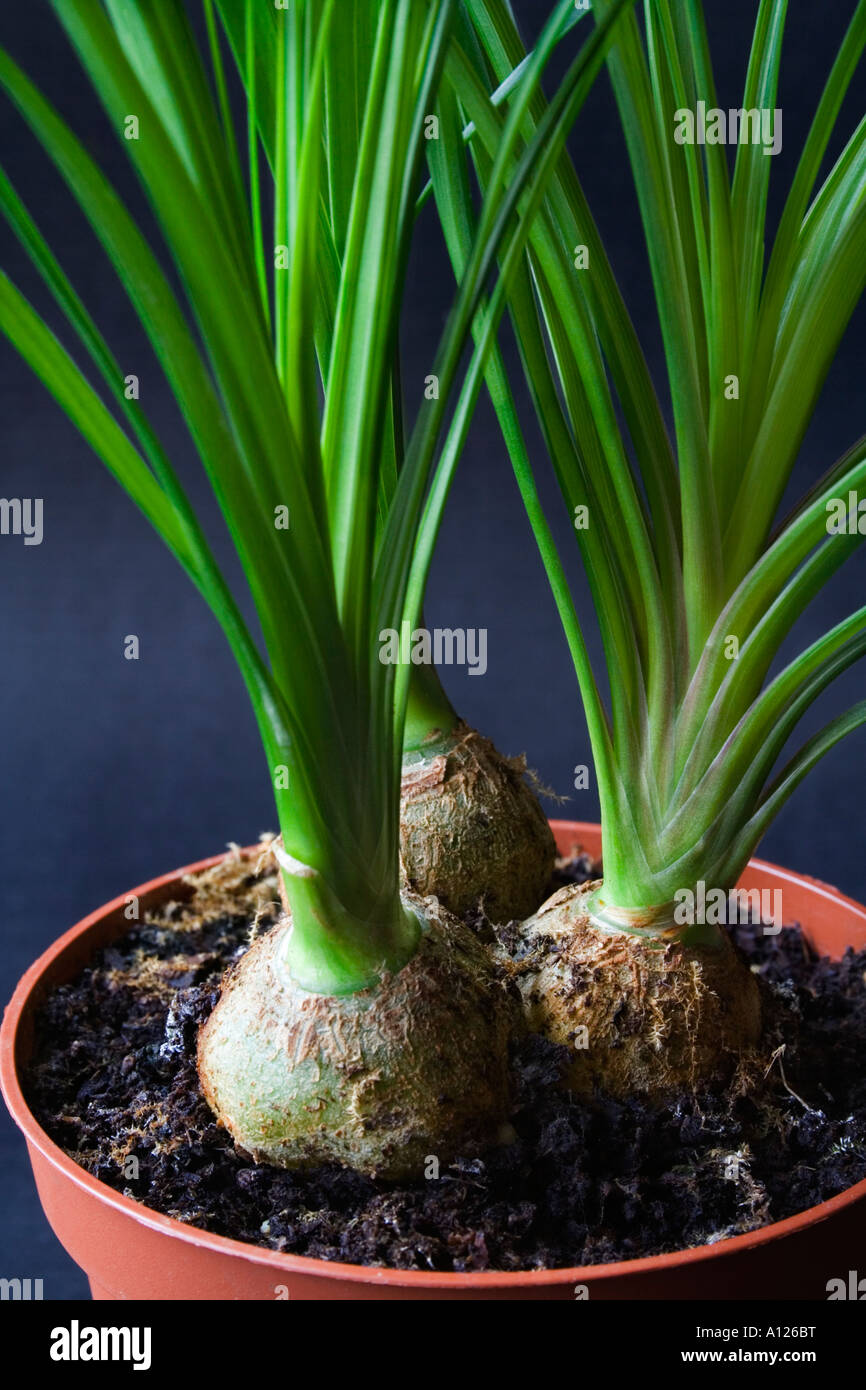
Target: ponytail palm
{"points": [[696, 584], [695, 581], [281, 352]]}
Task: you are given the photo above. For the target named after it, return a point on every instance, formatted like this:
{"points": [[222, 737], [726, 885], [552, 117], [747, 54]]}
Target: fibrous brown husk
{"points": [[381, 1080], [471, 829], [641, 1016]]}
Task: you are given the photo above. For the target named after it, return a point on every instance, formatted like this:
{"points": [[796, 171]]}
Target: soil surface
{"points": [[113, 1081]]}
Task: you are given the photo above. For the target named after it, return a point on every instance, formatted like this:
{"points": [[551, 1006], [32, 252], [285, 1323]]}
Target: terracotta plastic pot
{"points": [[129, 1252]]}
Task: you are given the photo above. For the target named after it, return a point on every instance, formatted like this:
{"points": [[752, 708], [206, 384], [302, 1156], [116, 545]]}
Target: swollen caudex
{"points": [[640, 1015], [471, 830], [379, 1080]]}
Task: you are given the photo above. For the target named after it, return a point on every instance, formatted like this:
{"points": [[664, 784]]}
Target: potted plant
{"points": [[382, 1070]]}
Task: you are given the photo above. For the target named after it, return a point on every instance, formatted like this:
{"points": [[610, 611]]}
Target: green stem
{"points": [[658, 921], [429, 711], [330, 949]]}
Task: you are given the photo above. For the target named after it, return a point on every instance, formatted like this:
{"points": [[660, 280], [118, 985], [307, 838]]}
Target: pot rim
{"points": [[305, 1264]]}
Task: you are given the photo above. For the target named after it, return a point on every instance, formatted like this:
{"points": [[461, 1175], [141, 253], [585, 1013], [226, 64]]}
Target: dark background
{"points": [[115, 771]]}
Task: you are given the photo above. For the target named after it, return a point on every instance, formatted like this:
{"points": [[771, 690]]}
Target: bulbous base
{"points": [[471, 829], [381, 1080], [640, 1015]]}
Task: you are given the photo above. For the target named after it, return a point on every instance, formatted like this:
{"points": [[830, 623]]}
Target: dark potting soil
{"points": [[113, 1081]]}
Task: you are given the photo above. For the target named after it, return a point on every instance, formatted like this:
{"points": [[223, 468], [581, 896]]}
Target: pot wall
{"points": [[129, 1252]]}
